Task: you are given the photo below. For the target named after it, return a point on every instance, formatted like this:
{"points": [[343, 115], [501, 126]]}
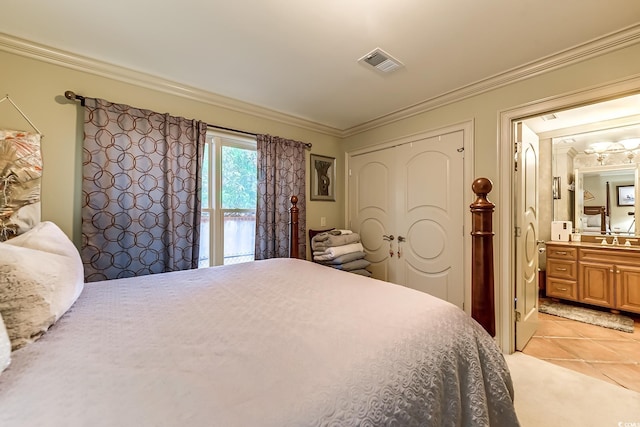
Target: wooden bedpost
{"points": [[293, 229], [482, 294]]}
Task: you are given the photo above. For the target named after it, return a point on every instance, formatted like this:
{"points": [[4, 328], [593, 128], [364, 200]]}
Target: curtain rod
{"points": [[75, 97]]}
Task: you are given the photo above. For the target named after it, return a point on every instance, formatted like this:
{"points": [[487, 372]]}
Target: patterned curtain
{"points": [[141, 191], [281, 174]]}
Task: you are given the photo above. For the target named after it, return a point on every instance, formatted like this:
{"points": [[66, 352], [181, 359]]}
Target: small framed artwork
{"points": [[323, 178], [626, 195]]}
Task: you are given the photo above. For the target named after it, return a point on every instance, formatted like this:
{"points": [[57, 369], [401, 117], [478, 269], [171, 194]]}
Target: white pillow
{"points": [[594, 220], [5, 347], [41, 276]]}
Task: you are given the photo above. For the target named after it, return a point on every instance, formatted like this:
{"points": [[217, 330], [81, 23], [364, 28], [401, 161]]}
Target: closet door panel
{"points": [[371, 207], [430, 216]]}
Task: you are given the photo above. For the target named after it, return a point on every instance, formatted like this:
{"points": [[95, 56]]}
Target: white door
{"points": [[371, 204], [413, 192], [526, 202], [430, 214]]}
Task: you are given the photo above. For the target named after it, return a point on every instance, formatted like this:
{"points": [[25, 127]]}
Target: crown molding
{"points": [[599, 46], [62, 58], [596, 47]]}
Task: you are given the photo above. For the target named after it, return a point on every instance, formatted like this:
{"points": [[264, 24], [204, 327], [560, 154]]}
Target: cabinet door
{"points": [[628, 288], [596, 284]]}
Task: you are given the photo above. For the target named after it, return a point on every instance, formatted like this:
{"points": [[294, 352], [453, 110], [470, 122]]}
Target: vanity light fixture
{"points": [[603, 149], [631, 146]]}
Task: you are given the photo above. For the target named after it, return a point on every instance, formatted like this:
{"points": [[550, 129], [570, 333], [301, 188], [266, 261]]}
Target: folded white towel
{"points": [[336, 251], [340, 232]]}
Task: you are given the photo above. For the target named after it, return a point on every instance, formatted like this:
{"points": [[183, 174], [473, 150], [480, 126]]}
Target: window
{"points": [[229, 187]]}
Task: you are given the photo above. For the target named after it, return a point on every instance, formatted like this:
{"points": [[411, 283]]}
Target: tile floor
{"points": [[603, 353]]}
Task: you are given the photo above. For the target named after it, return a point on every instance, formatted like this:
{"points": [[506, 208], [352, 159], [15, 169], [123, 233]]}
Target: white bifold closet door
{"points": [[413, 192]]}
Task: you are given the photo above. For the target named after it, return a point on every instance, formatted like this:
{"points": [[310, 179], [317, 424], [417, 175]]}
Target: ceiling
{"points": [[301, 57], [608, 121]]}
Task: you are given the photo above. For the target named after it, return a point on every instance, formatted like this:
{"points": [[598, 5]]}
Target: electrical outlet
{"points": [[323, 221]]}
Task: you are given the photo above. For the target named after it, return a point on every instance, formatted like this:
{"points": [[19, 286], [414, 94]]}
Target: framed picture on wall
{"points": [[626, 195], [323, 178]]}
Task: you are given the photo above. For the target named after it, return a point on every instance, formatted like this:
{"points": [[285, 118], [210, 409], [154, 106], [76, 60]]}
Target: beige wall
{"points": [[37, 88], [485, 108]]}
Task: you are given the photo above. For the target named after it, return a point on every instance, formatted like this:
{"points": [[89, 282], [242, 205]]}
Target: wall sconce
{"points": [[556, 187]]}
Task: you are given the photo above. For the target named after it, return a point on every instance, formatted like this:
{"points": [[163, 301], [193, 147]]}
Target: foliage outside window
{"points": [[229, 188]]}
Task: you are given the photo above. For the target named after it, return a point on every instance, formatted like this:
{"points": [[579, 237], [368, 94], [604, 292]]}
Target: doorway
{"points": [[507, 244]]}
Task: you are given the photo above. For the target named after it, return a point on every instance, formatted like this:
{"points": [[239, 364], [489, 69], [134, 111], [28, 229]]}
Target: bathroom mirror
{"points": [[597, 208]]}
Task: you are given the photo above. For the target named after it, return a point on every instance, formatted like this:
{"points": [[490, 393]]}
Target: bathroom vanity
{"points": [[592, 273]]}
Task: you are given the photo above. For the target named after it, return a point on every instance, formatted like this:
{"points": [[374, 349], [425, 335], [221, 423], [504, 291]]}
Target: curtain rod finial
{"points": [[70, 95]]}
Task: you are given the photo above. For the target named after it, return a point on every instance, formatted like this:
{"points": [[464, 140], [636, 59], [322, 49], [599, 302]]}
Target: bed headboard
{"points": [[598, 210]]}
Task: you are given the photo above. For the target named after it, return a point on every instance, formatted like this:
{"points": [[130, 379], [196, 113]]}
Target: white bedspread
{"points": [[270, 343]]}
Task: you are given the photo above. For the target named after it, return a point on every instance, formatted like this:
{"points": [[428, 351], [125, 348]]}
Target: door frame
{"points": [[505, 293], [467, 127]]}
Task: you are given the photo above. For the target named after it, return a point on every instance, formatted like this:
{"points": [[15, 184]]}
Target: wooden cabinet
{"points": [[628, 288], [606, 276], [596, 284], [562, 273]]}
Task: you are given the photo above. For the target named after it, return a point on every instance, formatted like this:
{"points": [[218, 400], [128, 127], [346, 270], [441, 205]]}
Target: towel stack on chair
{"points": [[340, 249]]}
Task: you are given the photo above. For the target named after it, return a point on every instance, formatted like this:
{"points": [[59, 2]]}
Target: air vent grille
{"points": [[381, 61]]}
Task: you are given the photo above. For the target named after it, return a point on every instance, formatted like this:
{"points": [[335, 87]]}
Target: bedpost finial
{"points": [[294, 200], [482, 186]]}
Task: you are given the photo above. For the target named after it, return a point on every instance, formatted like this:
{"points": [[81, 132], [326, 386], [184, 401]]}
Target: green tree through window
{"points": [[239, 184]]}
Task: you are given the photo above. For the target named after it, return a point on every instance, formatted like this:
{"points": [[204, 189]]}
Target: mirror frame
{"points": [[579, 193]]}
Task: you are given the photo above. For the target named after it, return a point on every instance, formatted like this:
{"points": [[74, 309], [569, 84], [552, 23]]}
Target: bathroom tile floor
{"points": [[602, 353]]}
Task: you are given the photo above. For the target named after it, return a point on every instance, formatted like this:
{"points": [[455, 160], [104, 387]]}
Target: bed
{"points": [[595, 220], [281, 342]]}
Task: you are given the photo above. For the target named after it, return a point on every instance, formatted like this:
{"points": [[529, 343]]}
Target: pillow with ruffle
{"points": [[41, 276]]}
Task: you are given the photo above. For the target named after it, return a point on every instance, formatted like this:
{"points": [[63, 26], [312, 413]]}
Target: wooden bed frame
{"points": [[598, 210], [482, 286]]}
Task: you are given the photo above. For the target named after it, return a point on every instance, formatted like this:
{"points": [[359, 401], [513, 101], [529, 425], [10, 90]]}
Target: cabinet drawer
{"points": [[560, 269], [564, 289], [611, 255], [562, 252]]}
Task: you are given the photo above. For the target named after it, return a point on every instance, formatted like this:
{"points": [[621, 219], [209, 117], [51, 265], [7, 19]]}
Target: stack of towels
{"points": [[340, 249]]}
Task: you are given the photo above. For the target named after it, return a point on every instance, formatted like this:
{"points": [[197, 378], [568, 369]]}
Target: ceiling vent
{"points": [[381, 61]]}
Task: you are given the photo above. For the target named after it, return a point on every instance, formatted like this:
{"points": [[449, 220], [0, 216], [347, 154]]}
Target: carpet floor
{"points": [[550, 395]]}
